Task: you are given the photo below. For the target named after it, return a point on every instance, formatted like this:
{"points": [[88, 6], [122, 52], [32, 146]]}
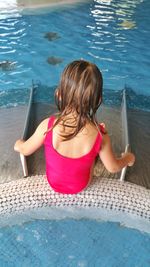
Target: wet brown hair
{"points": [[79, 93]]}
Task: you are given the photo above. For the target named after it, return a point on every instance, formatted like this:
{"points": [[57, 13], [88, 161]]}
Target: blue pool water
{"points": [[73, 243], [112, 34]]}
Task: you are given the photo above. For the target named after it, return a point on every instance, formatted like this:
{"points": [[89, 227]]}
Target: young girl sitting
{"points": [[74, 138]]}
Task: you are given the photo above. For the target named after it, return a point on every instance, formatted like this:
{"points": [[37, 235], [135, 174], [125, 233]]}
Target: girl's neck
{"points": [[73, 117]]}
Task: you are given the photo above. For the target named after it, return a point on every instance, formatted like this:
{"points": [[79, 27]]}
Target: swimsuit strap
{"points": [[49, 132], [51, 121]]}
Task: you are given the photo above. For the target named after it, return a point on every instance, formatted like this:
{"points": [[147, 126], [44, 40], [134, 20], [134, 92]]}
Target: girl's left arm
{"points": [[34, 142]]}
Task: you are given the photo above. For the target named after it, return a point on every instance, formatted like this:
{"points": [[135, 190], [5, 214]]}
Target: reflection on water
{"points": [[111, 34], [113, 42], [127, 24]]}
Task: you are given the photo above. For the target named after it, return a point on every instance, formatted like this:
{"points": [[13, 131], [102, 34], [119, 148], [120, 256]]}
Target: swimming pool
{"points": [[114, 35]]}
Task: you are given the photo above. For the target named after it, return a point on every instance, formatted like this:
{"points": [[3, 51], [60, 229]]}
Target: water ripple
{"points": [[8, 52], [112, 34]]}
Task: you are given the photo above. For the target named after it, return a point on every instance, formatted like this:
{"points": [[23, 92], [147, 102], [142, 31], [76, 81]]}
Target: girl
{"points": [[73, 138]]}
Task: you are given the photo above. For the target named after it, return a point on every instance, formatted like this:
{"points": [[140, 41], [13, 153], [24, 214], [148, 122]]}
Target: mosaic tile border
{"points": [[109, 196]]}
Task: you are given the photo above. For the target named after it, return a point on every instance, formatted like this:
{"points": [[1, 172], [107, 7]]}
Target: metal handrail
{"points": [[24, 135], [125, 131]]}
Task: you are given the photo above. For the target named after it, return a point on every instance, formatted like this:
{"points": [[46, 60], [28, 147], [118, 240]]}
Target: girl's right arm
{"points": [[107, 156]]}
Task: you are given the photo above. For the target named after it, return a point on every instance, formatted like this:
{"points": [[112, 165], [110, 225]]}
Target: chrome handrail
{"points": [[24, 135], [125, 131]]}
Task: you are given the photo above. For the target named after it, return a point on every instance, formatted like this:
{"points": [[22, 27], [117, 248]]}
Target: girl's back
{"points": [[79, 145]]}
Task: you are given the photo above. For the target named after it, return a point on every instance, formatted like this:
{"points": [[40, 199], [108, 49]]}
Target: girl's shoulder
{"points": [[48, 122], [42, 128]]}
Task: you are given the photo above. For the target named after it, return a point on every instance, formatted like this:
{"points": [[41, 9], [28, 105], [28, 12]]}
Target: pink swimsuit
{"points": [[68, 175]]}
